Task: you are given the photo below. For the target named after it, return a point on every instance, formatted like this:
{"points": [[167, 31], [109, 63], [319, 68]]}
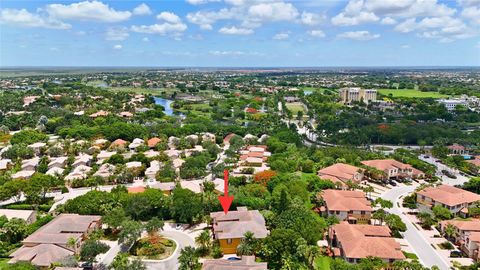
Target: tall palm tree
{"points": [[450, 231], [248, 244], [203, 240], [188, 259]]}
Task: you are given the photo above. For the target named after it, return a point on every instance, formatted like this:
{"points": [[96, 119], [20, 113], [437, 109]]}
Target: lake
{"points": [[166, 103]]}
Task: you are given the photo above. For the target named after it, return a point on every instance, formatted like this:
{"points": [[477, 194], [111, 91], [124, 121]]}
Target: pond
{"points": [[166, 103]]}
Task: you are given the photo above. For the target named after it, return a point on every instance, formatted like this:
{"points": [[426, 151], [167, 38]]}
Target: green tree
{"points": [[131, 231], [248, 245], [154, 225], [91, 248], [186, 205], [441, 212], [395, 224], [281, 243], [14, 230], [371, 263], [383, 203], [450, 232], [204, 241], [115, 218], [188, 259], [21, 266]]}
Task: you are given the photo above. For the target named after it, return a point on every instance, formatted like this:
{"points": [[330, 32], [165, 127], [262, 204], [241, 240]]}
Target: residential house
{"points": [[118, 143], [454, 199], [125, 114], [50, 243], [30, 164], [226, 140], [79, 172], [105, 171], [100, 113], [104, 155], [55, 171], [165, 187], [394, 169], [28, 215], [82, 160], [457, 149], [341, 173], [37, 147], [151, 172], [5, 164], [197, 185], [152, 142], [136, 143], [208, 137], [354, 242], [468, 235], [23, 175], [245, 263], [475, 161], [151, 153], [347, 205], [58, 162], [229, 228]]}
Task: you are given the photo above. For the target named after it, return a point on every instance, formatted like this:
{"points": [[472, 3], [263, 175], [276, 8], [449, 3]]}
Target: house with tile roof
{"points": [[394, 169], [354, 242], [347, 205], [341, 173], [229, 228], [468, 235], [49, 244], [454, 199], [246, 263]]}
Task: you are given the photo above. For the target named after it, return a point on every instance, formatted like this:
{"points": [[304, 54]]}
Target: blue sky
{"points": [[240, 33]]}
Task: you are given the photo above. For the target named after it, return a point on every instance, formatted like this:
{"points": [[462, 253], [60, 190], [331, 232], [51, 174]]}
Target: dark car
{"points": [[87, 266], [456, 254], [234, 259], [393, 183]]}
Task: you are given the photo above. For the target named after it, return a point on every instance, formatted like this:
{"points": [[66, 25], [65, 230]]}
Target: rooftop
{"points": [[449, 195], [236, 223]]}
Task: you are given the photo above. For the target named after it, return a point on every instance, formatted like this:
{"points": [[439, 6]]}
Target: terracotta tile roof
{"points": [[361, 241], [385, 164], [41, 255], [474, 236], [339, 172], [449, 195], [246, 263], [228, 137], [345, 200], [153, 142], [236, 223], [456, 146], [118, 142], [136, 189], [475, 161], [464, 225]]}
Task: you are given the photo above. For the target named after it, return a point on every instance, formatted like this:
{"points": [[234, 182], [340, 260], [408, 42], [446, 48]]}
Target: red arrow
{"points": [[225, 200]]}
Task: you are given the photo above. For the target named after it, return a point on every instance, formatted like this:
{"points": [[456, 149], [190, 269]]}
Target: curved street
{"points": [[171, 263], [426, 253]]}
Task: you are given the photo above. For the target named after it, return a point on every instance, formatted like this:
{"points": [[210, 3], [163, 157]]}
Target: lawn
{"points": [[322, 263], [4, 264], [409, 255], [295, 107], [410, 93]]}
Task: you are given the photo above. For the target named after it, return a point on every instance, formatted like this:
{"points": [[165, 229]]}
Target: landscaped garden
{"points": [[153, 247]]}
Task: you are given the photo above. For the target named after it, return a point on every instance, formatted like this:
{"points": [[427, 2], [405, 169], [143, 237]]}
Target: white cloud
{"points": [[116, 33], [388, 20], [161, 29], [358, 35], [353, 15], [23, 18], [87, 11], [169, 17], [142, 9], [316, 33], [273, 12], [117, 47], [235, 31], [311, 19], [472, 13], [200, 2], [205, 19], [406, 26], [282, 36]]}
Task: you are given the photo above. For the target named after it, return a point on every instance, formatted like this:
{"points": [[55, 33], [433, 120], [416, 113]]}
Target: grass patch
{"points": [[4, 263], [410, 93], [446, 245], [409, 255], [295, 107], [322, 263]]}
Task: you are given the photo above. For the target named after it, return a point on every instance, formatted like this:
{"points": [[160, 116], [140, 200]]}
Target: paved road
{"points": [[460, 180], [183, 240], [426, 253]]}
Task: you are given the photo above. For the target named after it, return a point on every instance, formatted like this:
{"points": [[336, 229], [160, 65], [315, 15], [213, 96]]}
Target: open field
{"points": [[410, 93], [295, 107]]}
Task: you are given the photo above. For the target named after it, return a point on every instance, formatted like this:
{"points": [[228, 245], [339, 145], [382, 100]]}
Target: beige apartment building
{"points": [[351, 94]]}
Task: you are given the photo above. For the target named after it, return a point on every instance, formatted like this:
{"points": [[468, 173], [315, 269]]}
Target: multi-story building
{"points": [[347, 205], [351, 94], [468, 235], [354, 242], [454, 199], [341, 173], [394, 169], [229, 228]]}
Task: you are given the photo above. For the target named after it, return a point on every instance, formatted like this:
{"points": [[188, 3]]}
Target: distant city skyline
{"points": [[240, 33]]}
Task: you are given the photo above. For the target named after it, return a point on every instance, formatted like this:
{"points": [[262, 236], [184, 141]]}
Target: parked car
{"points": [[87, 266], [234, 259], [393, 183], [456, 254]]}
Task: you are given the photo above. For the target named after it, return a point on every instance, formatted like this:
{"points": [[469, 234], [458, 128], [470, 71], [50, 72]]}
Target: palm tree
{"points": [[379, 215], [450, 231], [72, 243], [368, 190], [188, 259], [248, 244], [203, 240]]}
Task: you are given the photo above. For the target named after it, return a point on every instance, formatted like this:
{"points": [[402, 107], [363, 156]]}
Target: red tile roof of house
{"points": [[118, 142], [345, 200], [136, 189], [456, 146], [385, 164], [464, 225], [339, 172], [449, 195], [361, 241], [153, 142]]}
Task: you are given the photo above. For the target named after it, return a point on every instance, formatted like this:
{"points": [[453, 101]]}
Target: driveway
{"points": [[426, 253]]}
